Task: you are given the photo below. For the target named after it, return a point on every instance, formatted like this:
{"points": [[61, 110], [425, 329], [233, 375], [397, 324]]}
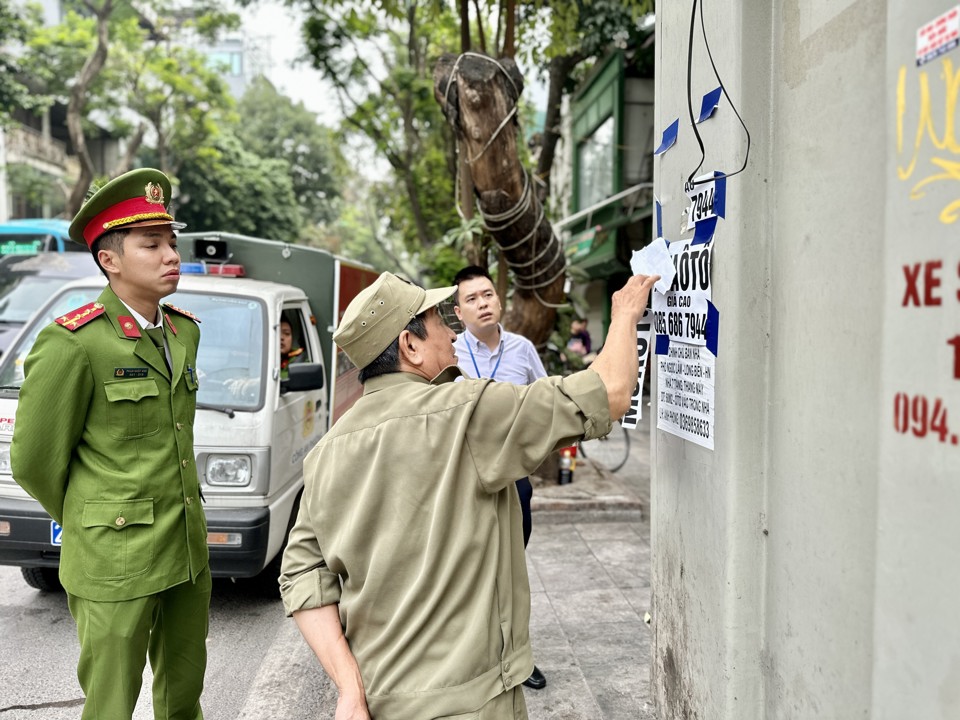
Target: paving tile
{"points": [[533, 576], [541, 610], [551, 649], [640, 599], [613, 531], [628, 564], [548, 537], [614, 659], [565, 575], [566, 697], [586, 607], [590, 587]]}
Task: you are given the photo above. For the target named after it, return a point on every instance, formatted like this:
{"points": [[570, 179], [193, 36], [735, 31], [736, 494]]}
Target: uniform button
{"points": [[179, 426], [121, 521], [189, 500], [183, 462], [506, 667]]}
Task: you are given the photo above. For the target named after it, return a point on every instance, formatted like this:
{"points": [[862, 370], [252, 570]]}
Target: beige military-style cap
{"points": [[379, 313]]}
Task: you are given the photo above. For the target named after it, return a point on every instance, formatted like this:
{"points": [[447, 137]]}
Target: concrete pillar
{"points": [[916, 667], [806, 567]]}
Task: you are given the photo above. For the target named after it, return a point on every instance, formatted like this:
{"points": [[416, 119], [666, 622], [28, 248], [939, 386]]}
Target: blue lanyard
{"points": [[499, 358]]}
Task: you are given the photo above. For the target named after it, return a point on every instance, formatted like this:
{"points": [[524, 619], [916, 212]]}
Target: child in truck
{"points": [[288, 353]]}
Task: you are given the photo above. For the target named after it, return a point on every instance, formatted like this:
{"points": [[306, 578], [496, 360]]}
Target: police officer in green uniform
{"points": [[104, 441]]}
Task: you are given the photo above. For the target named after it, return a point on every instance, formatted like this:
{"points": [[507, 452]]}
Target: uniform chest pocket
{"points": [[133, 408]]}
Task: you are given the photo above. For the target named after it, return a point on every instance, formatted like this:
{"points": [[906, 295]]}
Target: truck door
{"points": [[301, 416]]}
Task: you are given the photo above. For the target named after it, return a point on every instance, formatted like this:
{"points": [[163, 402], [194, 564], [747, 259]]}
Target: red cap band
{"points": [[128, 211]]}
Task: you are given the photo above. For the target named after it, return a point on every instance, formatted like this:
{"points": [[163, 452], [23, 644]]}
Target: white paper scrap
{"points": [[654, 259]]}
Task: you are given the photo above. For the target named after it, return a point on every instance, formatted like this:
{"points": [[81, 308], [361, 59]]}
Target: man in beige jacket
{"points": [[405, 571]]}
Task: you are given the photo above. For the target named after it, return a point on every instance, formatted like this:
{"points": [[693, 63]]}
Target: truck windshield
{"points": [[21, 295], [230, 360]]}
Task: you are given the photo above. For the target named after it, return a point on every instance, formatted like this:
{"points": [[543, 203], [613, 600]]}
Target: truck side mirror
{"points": [[302, 376]]}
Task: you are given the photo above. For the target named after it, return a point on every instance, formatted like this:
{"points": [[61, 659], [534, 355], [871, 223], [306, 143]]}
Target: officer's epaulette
{"points": [[81, 316], [181, 311]]}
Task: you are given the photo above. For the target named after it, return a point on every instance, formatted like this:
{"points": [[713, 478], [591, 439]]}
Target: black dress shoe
{"points": [[536, 680]]}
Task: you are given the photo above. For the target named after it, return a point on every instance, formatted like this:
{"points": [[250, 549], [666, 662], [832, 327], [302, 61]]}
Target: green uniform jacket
{"points": [[103, 439]]}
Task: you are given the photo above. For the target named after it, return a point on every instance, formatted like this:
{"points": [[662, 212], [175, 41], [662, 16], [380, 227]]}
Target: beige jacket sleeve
{"points": [[514, 428]]}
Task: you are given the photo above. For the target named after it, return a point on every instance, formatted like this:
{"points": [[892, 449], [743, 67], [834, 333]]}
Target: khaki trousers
{"points": [[509, 705], [116, 637]]}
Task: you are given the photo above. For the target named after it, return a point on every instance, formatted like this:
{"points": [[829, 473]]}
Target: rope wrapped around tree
{"points": [[478, 95]]}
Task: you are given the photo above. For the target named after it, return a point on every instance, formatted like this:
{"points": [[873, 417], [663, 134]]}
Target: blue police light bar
{"points": [[230, 269], [201, 268]]}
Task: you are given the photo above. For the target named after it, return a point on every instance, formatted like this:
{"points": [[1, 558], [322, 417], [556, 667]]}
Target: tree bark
{"points": [[133, 146], [483, 93], [464, 25], [78, 99], [471, 249], [510, 32]]}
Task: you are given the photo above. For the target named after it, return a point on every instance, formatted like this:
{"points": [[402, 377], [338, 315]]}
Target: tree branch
{"points": [[78, 99]]}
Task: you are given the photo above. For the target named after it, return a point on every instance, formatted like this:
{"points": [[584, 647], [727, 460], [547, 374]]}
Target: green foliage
{"points": [[586, 28], [237, 191], [167, 86], [15, 27], [36, 187], [469, 231], [381, 67], [361, 236], [179, 95], [274, 126], [443, 262]]}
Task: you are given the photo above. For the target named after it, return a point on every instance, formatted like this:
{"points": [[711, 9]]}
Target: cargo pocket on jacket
{"points": [[117, 538], [133, 408]]}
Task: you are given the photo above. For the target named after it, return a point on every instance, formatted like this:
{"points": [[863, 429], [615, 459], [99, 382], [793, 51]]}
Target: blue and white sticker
{"points": [[708, 198]]}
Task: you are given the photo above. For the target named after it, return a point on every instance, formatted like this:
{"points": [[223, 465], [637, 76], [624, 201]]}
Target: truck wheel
{"points": [[44, 579]]}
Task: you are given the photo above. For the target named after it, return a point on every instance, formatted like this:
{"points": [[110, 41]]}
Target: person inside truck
{"points": [[114, 465], [405, 569], [288, 353]]}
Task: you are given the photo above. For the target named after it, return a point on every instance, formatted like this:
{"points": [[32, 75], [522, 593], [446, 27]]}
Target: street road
{"points": [[259, 667]]}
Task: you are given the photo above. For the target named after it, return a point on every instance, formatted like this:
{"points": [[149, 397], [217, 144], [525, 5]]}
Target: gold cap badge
{"points": [[154, 193]]}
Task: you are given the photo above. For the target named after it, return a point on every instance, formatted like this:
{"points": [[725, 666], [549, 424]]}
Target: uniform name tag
{"points": [[130, 372]]}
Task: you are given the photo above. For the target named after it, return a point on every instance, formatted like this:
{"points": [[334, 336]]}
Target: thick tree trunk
{"points": [[479, 102]]}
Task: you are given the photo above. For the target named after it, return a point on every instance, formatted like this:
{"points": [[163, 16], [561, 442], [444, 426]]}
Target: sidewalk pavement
{"points": [[589, 567]]}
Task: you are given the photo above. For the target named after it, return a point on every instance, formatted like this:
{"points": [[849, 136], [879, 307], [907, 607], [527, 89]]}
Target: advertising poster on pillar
{"points": [[682, 312], [686, 325], [685, 377]]}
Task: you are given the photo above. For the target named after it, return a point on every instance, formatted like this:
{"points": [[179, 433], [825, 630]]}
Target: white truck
{"points": [[254, 424]]}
